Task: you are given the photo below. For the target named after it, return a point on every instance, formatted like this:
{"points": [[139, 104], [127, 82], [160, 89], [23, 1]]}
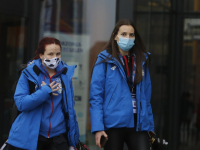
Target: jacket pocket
{"points": [[143, 108], [17, 123], [144, 120], [110, 99]]}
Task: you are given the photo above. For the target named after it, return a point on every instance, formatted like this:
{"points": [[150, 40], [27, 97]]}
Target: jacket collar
{"points": [[38, 63], [104, 55], [35, 67]]}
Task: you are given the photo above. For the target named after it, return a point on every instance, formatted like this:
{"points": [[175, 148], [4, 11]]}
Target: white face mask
{"points": [[52, 63]]}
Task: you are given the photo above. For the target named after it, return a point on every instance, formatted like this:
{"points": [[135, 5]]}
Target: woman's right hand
{"points": [[98, 137]]}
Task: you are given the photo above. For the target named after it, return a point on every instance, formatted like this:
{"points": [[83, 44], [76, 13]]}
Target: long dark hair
{"points": [[138, 49], [43, 43]]}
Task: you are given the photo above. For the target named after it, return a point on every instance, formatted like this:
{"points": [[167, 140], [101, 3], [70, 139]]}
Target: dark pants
{"points": [[55, 143], [134, 140]]}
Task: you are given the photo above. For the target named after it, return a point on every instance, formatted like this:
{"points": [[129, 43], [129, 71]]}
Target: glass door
{"points": [[13, 36], [190, 80]]}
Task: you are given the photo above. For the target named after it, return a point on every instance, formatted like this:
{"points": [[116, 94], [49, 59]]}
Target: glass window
{"points": [[156, 26], [191, 5], [156, 5], [13, 35], [190, 85]]}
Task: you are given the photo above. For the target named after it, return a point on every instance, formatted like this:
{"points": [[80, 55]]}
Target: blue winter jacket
{"points": [[25, 129], [110, 98]]}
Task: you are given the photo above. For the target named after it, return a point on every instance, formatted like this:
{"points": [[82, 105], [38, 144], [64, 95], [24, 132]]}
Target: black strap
{"points": [[66, 114], [36, 70], [65, 71]]}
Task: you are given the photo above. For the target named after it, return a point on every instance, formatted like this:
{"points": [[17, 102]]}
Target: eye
{"points": [[124, 34], [58, 54], [132, 35], [50, 54]]}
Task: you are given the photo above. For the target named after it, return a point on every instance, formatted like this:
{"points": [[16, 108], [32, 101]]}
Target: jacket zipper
{"points": [[128, 88], [51, 112], [51, 101], [51, 104], [140, 102]]}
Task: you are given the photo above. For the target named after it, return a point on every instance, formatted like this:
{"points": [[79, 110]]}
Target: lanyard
{"points": [[125, 64]]}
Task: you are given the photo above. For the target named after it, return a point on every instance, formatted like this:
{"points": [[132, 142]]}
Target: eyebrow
{"points": [[126, 32]]}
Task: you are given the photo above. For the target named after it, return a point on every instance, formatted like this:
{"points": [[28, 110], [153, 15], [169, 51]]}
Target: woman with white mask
{"points": [[47, 119], [120, 92]]}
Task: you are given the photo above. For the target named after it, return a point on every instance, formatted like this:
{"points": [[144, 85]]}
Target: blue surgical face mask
{"points": [[126, 43]]}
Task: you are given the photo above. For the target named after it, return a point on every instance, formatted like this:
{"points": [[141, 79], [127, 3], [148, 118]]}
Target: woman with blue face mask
{"points": [[44, 96], [120, 92]]}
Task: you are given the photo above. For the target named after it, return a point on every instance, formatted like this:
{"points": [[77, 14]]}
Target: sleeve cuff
{"points": [[47, 88]]}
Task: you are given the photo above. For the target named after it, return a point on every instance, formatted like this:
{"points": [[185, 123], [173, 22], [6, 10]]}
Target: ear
{"points": [[116, 37], [40, 56]]}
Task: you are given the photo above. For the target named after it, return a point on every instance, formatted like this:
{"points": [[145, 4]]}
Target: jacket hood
{"points": [[105, 55], [43, 69]]}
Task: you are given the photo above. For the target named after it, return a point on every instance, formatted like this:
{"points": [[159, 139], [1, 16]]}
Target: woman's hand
{"points": [[54, 87], [98, 137]]}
